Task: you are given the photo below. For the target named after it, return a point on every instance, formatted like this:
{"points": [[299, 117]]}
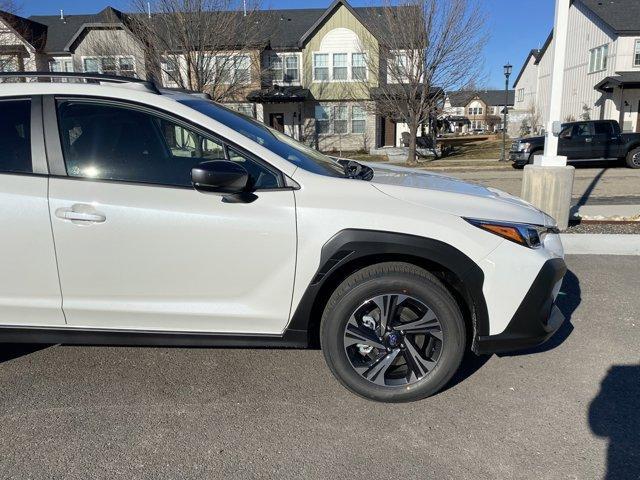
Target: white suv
{"points": [[137, 216]]}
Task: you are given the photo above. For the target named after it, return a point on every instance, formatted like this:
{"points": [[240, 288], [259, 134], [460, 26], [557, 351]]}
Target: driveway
{"points": [[568, 410]]}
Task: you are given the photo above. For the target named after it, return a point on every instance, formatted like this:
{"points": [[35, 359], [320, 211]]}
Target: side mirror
{"points": [[220, 176]]}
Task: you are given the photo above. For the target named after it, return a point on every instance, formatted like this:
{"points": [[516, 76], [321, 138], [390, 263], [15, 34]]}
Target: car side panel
{"points": [[29, 285]]}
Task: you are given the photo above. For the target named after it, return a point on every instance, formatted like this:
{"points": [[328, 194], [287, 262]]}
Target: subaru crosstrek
{"points": [[133, 215]]}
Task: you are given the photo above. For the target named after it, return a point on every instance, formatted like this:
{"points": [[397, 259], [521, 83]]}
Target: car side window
{"points": [[15, 136], [603, 128], [114, 142], [582, 130]]}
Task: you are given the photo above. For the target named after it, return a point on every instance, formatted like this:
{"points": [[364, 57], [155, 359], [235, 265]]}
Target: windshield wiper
{"points": [[353, 169]]}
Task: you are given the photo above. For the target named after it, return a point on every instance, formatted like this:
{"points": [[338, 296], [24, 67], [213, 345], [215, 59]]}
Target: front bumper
{"points": [[519, 157], [537, 317]]}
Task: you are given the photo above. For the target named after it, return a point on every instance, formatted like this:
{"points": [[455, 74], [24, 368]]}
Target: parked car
{"points": [[599, 140], [113, 235]]}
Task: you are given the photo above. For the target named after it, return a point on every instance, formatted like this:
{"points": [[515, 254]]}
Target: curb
{"points": [[600, 244]]}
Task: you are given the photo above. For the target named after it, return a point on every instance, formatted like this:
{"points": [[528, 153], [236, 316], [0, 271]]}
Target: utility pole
{"points": [[507, 74], [548, 183]]}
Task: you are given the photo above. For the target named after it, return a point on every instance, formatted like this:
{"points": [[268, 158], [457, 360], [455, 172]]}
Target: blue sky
{"points": [[514, 26]]}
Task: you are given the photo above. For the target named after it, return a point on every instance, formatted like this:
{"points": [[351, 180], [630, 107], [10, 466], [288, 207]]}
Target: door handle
{"points": [[81, 213], [588, 140]]}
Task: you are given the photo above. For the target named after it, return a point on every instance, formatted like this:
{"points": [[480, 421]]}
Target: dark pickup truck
{"points": [[599, 140]]}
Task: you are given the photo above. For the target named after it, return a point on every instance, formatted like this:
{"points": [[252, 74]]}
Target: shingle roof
{"points": [[628, 79], [462, 98], [285, 27], [623, 16]]}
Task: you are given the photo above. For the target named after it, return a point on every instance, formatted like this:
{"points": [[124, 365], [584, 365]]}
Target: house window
{"points": [[241, 65], [358, 119], [340, 67], [598, 58], [479, 110], [636, 54], [400, 70], [323, 119], [470, 111], [292, 70], [521, 94], [8, 63], [284, 68], [341, 120], [233, 69], [358, 66], [244, 109], [321, 66], [112, 65], [170, 70], [60, 65], [275, 65]]}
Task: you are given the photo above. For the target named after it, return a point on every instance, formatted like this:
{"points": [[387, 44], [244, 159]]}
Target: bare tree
{"points": [[8, 10], [424, 47], [203, 45]]}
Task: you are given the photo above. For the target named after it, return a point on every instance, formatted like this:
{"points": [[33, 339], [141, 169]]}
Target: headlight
{"points": [[524, 147], [524, 234]]}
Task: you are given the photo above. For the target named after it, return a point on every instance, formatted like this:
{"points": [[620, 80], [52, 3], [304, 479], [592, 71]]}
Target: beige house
{"points": [[469, 111], [602, 67], [305, 80]]}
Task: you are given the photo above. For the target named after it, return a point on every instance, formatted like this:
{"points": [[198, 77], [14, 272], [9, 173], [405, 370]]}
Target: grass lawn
{"points": [[483, 149]]}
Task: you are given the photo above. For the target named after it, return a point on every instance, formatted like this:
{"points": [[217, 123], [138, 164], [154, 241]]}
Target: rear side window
{"points": [[114, 142], [603, 128], [15, 136]]}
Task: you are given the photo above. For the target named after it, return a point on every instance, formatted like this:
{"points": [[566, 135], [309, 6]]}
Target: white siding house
{"points": [[602, 66]]}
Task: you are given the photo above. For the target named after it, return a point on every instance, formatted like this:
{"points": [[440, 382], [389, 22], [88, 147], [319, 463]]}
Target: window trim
{"points": [[604, 59], [37, 150], [115, 57], [636, 52], [56, 157]]}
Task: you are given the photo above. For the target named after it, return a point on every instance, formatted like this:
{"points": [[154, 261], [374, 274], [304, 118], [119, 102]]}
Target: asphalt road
{"points": [[570, 409]]}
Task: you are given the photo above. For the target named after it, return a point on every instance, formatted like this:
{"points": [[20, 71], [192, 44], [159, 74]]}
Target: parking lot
{"points": [[568, 409]]}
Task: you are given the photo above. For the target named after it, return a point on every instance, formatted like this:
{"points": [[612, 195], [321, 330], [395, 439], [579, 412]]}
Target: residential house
{"points": [[300, 80], [474, 110], [601, 71]]}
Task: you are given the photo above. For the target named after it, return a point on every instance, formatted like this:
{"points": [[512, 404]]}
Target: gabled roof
{"points": [[627, 79], [34, 33], [623, 16], [461, 98], [544, 48], [284, 28], [532, 54]]}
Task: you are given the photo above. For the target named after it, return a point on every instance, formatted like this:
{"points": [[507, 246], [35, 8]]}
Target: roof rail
{"points": [[147, 85]]}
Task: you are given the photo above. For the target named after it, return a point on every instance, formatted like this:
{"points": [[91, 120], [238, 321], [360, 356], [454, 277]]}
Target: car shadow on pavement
{"points": [[9, 351], [614, 414], [568, 300]]}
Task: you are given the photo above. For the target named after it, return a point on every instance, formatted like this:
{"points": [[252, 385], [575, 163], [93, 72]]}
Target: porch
{"points": [[623, 91]]}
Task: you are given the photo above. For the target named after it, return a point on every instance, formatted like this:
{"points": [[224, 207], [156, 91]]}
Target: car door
{"points": [[606, 142], [139, 248], [29, 286], [576, 141]]}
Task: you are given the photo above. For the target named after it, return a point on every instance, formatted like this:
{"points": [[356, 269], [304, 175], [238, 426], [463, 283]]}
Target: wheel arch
{"points": [[350, 250]]}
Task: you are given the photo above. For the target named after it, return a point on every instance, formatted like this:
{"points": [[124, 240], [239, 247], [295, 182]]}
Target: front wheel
{"points": [[633, 158], [392, 332]]}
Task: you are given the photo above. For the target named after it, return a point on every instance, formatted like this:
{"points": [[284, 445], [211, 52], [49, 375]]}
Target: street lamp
{"points": [[507, 73]]}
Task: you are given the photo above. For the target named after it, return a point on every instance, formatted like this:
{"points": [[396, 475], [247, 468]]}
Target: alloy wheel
{"points": [[393, 340]]}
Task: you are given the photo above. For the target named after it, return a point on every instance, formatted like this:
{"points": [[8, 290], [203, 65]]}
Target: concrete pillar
{"points": [[549, 189], [548, 183]]}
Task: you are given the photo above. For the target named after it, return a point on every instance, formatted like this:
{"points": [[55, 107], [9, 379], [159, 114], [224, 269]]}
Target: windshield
{"points": [[279, 143]]}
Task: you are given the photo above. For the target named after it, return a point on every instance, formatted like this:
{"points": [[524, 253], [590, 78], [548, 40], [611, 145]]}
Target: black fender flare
{"points": [[351, 245]]}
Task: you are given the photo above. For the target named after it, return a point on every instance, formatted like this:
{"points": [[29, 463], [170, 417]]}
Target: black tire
{"points": [[394, 279], [633, 158]]}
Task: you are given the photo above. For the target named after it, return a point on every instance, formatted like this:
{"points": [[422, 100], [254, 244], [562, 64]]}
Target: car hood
{"points": [[539, 139], [455, 196]]}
